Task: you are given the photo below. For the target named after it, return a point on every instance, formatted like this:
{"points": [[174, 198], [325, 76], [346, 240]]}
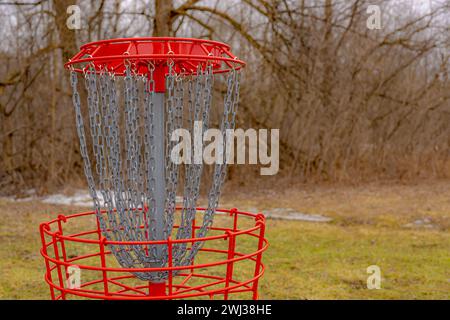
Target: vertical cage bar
{"points": [[58, 265], [230, 264], [42, 228], [259, 221], [103, 263], [233, 212], [61, 241]]}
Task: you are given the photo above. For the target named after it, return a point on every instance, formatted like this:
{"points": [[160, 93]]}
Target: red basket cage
{"points": [[238, 240]]}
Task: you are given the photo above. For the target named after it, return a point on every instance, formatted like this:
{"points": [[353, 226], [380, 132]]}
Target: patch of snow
{"points": [[80, 198], [30, 192], [420, 223]]}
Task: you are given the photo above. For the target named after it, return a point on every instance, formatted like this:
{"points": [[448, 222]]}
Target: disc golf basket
{"points": [[142, 245]]}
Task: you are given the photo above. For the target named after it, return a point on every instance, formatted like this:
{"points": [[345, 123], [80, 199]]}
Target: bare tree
{"points": [[351, 103]]}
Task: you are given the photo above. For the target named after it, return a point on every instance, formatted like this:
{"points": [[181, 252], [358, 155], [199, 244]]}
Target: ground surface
{"points": [[404, 229]]}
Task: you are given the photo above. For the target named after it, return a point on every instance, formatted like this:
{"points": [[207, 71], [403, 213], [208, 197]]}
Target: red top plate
{"points": [[154, 52]]}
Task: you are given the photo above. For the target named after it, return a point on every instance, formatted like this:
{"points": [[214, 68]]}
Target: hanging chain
{"points": [[228, 122], [124, 158]]}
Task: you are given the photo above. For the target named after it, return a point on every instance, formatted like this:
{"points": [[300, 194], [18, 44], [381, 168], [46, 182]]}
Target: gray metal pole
{"points": [[160, 180]]}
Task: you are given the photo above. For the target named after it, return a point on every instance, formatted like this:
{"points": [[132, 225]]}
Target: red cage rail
{"points": [[107, 280]]}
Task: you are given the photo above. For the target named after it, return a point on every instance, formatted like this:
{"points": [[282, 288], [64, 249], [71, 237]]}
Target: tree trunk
{"points": [[67, 38], [162, 23]]}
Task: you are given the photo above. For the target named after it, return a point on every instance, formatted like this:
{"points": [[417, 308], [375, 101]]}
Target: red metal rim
{"points": [[154, 52], [196, 280]]}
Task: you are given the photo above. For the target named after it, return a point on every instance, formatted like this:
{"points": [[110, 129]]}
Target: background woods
{"points": [[350, 102]]}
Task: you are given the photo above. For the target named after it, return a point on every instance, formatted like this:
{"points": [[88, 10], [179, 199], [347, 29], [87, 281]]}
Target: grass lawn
{"points": [[372, 225]]}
